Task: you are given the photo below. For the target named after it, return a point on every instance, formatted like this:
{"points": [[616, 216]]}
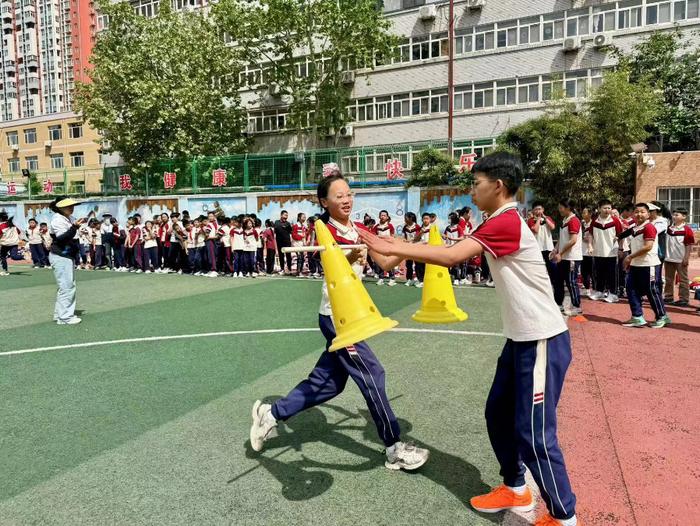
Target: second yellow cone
{"points": [[438, 304], [355, 315]]}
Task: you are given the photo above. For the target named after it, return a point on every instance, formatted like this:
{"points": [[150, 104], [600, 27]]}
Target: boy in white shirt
{"points": [[679, 242], [568, 256], [644, 267], [604, 248], [521, 408]]}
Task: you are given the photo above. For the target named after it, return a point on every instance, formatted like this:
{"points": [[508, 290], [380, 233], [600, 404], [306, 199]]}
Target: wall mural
{"points": [[232, 206], [148, 208]]}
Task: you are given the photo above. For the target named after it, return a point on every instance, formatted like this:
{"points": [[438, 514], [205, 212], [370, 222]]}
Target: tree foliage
{"points": [[165, 87], [670, 64], [303, 48], [432, 167], [581, 152]]}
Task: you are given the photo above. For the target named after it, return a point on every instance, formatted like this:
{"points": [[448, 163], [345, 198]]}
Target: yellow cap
{"points": [[63, 203]]}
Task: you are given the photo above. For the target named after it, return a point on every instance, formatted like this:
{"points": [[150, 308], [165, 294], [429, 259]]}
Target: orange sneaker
{"points": [[548, 520], [503, 498]]}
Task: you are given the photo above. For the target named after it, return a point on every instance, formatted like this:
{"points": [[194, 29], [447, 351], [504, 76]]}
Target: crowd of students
{"points": [[605, 252]]}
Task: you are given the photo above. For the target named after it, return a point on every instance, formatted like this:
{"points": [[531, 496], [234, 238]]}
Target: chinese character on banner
{"points": [[11, 188], [466, 161], [218, 177], [169, 180], [47, 187], [125, 182], [393, 169]]}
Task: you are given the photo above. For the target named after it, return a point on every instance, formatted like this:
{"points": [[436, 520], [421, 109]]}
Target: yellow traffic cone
{"points": [[438, 304], [355, 316]]}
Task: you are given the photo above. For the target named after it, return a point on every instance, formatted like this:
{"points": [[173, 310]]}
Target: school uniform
{"points": [[163, 243], [210, 230], [645, 272], [453, 234], [604, 234], [270, 250], [96, 254], [176, 250], [107, 243], [46, 240], [194, 256], [409, 234], [314, 258], [424, 234], [568, 267], [224, 234], [385, 230], [546, 244], [677, 239], [9, 241], [329, 377], [250, 247], [299, 232], [84, 242], [150, 249], [627, 226], [237, 245], [260, 252], [36, 246], [202, 249], [119, 238], [587, 277], [521, 407]]}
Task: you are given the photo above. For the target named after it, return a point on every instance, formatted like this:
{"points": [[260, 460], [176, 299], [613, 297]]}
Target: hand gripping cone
{"points": [[355, 316], [438, 304]]}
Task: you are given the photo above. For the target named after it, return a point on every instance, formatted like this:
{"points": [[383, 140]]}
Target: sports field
{"points": [[152, 426]]}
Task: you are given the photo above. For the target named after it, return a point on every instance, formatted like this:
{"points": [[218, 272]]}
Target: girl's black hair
{"points": [[6, 218], [323, 188], [664, 210], [299, 216], [454, 218], [268, 223], [568, 203], [385, 212], [411, 216]]}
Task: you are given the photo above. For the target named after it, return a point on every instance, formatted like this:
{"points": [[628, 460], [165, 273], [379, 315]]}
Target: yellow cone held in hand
{"points": [[355, 316], [438, 304]]}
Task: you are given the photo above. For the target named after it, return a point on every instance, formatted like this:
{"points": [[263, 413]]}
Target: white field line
{"points": [[223, 333]]}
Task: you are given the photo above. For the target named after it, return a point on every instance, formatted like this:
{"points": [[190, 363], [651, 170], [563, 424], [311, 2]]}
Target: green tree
{"points": [[303, 49], [670, 64], [165, 87], [432, 167], [581, 152]]}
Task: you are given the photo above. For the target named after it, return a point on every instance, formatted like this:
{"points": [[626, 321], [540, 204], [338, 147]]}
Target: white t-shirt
{"points": [[343, 236], [571, 227], [641, 234], [237, 242], [528, 309], [544, 234], [677, 238], [605, 232], [225, 233]]}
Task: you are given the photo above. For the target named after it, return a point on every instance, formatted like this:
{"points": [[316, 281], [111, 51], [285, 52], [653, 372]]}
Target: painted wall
{"points": [[397, 201]]}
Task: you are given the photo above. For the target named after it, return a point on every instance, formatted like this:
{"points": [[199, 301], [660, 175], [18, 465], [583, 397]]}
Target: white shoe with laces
{"points": [[263, 424], [612, 298], [596, 296], [406, 456], [419, 285], [380, 282], [70, 321], [391, 282]]}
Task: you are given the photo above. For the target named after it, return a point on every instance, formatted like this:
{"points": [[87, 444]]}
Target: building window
{"points": [[688, 198], [629, 18], [57, 161], [12, 138], [55, 133], [483, 95], [75, 130], [484, 38], [13, 165], [77, 159], [32, 163], [420, 103], [30, 135], [463, 97]]}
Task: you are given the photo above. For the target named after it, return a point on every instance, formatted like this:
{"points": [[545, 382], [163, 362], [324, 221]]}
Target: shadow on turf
{"points": [[451, 472]]}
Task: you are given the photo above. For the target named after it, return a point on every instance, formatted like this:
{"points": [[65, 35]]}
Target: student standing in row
{"points": [[386, 230], [410, 231], [644, 270], [603, 245], [250, 247], [270, 247], [679, 242], [542, 226], [567, 256], [36, 245], [587, 261], [9, 241], [298, 239]]}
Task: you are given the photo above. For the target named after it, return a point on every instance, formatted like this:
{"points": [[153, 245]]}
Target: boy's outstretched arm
{"points": [[437, 255]]}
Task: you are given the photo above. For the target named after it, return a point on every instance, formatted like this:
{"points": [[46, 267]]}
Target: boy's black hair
{"points": [[175, 214], [464, 210], [642, 205], [604, 202], [627, 207], [283, 212], [34, 219], [411, 216], [454, 218], [186, 222], [432, 215], [268, 223], [568, 203], [535, 204], [43, 224], [425, 214], [680, 211], [225, 220], [504, 166]]}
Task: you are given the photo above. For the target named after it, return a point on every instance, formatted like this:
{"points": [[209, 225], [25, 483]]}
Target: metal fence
{"points": [[369, 166]]}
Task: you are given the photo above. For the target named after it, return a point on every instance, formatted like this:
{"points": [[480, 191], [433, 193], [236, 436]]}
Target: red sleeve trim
{"points": [[574, 225], [689, 238], [649, 232]]}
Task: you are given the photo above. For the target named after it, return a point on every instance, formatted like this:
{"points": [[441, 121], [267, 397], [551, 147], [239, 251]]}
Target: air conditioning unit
{"points": [[15, 147], [427, 12], [571, 44], [348, 77], [476, 4], [347, 131], [47, 144], [602, 40]]}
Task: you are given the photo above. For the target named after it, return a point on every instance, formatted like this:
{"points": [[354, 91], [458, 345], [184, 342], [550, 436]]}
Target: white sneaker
{"points": [[409, 283], [179, 272], [148, 272], [490, 283], [212, 274], [138, 271], [263, 424], [391, 283], [595, 296], [612, 298], [419, 285], [406, 456], [3, 273], [380, 282], [456, 282], [70, 321], [573, 311]]}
